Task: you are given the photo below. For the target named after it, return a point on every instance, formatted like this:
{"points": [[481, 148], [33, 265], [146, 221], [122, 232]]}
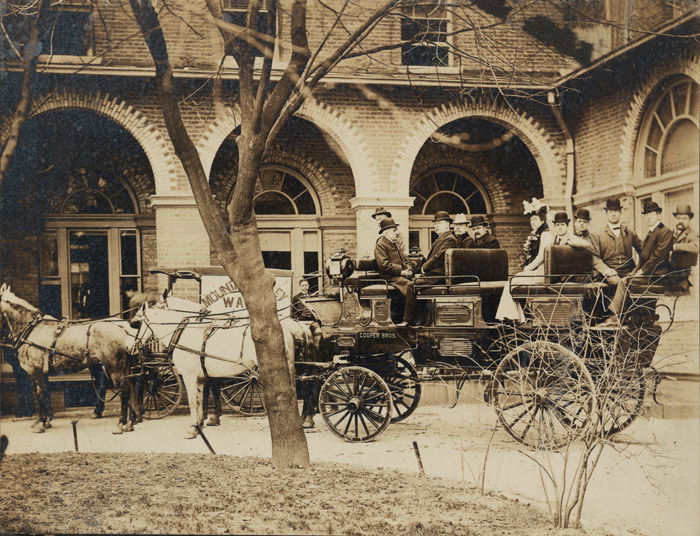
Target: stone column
{"points": [[367, 228]]}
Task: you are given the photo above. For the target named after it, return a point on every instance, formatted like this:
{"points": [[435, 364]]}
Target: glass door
{"points": [[89, 274]]}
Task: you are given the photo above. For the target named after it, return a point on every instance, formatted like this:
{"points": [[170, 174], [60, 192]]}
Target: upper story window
{"points": [[282, 191], [66, 29], [427, 25], [85, 191], [669, 137], [448, 189], [235, 12]]}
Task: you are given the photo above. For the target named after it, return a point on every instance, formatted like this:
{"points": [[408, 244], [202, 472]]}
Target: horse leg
{"points": [[206, 389], [194, 394], [100, 379], [215, 387], [309, 408], [135, 402], [38, 381], [122, 411]]}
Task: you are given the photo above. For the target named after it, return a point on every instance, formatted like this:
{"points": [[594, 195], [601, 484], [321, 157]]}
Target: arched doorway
{"points": [[444, 188], [76, 198]]}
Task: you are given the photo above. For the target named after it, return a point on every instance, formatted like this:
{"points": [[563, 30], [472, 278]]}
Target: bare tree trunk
{"points": [[239, 254], [29, 57]]}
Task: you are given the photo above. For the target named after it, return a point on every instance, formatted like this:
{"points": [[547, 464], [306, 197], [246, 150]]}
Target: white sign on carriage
{"points": [[221, 295]]}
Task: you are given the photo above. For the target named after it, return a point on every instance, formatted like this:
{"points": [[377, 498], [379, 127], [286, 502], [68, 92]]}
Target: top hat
{"points": [[583, 214], [683, 209], [561, 217], [479, 220], [651, 206], [461, 218], [613, 204], [441, 215], [386, 224], [381, 211]]}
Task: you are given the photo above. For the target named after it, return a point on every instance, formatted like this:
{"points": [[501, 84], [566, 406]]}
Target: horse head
{"points": [[15, 308]]}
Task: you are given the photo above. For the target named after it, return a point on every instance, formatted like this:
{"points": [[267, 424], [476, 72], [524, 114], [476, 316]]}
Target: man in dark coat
{"points": [[684, 238], [614, 245], [395, 267], [653, 258], [381, 214], [483, 239], [435, 263], [461, 228]]}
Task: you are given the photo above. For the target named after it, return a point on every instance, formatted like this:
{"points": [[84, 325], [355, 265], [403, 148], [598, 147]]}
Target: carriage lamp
{"points": [[345, 340], [339, 266]]}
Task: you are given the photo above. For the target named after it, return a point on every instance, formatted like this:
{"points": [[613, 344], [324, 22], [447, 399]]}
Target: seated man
{"points": [[685, 242], [483, 239], [435, 263], [299, 311], [461, 228], [394, 266]]}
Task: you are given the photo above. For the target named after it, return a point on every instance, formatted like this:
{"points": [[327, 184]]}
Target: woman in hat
{"points": [[532, 256]]}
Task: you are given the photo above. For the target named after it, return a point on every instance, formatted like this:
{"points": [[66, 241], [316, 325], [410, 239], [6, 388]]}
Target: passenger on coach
{"points": [[381, 214], [461, 227], [684, 238], [301, 312], [395, 267], [615, 244], [533, 255], [483, 239], [653, 259], [561, 229], [435, 263]]}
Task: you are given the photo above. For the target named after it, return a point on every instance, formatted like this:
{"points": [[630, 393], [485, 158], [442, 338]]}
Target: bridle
{"points": [[15, 340]]}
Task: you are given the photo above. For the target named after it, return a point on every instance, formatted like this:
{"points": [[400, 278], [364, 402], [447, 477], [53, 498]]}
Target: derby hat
{"points": [[651, 206], [561, 217], [583, 214], [441, 215], [684, 209], [387, 224], [461, 218], [479, 220], [613, 204], [381, 211]]}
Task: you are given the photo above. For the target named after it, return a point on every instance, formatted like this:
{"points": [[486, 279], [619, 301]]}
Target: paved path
{"points": [[652, 487]]}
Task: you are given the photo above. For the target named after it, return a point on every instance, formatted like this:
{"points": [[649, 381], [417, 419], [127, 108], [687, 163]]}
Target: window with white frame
{"points": [[235, 12], [426, 27], [66, 29]]}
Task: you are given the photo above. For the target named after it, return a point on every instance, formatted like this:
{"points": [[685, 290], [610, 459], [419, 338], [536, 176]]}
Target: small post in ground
{"points": [[418, 458], [75, 433]]}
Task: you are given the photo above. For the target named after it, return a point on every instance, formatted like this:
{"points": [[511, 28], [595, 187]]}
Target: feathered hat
{"points": [[535, 207]]}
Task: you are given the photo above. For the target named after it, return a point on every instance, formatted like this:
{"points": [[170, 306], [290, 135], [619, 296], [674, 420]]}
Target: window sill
{"points": [[54, 59], [430, 69]]}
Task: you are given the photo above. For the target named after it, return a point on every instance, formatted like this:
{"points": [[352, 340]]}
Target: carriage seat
{"points": [[476, 272], [568, 272], [366, 273]]}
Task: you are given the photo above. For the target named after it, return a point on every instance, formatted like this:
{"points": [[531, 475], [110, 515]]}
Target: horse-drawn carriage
{"points": [[551, 380]]}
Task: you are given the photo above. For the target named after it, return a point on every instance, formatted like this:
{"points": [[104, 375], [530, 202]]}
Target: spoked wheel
{"points": [[402, 379], [162, 391], [543, 395], [243, 393], [355, 403], [621, 400]]}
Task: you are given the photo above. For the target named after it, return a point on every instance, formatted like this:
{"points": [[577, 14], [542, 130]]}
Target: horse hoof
{"points": [[38, 430], [213, 421], [48, 425], [96, 416], [308, 423], [119, 430], [129, 427], [191, 435]]}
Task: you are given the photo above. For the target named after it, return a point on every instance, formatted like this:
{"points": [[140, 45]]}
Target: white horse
{"points": [[204, 347]]}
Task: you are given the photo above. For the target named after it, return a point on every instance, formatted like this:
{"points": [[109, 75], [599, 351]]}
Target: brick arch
{"points": [[326, 118], [543, 145], [148, 135], [324, 189], [687, 64]]}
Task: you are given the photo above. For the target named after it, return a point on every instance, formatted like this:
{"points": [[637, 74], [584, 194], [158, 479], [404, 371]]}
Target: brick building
{"points": [[552, 104]]}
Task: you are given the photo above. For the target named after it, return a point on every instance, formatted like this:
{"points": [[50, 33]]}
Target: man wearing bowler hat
{"points": [[394, 266], [381, 214], [582, 219], [561, 229], [483, 239], [435, 263], [684, 238], [653, 258], [461, 227], [614, 245]]}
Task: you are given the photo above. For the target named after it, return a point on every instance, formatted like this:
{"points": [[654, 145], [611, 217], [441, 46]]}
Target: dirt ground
{"points": [[648, 482], [196, 493]]}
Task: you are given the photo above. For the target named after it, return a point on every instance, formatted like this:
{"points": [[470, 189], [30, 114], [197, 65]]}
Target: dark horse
{"points": [[45, 344]]}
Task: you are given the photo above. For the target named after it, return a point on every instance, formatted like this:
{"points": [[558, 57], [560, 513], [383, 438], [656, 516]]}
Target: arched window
{"points": [[669, 136], [86, 191], [448, 189], [282, 191]]}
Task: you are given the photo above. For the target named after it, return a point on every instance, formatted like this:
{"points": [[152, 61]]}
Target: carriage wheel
{"points": [[543, 395], [356, 404], [402, 379], [162, 391], [622, 402], [243, 393]]}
